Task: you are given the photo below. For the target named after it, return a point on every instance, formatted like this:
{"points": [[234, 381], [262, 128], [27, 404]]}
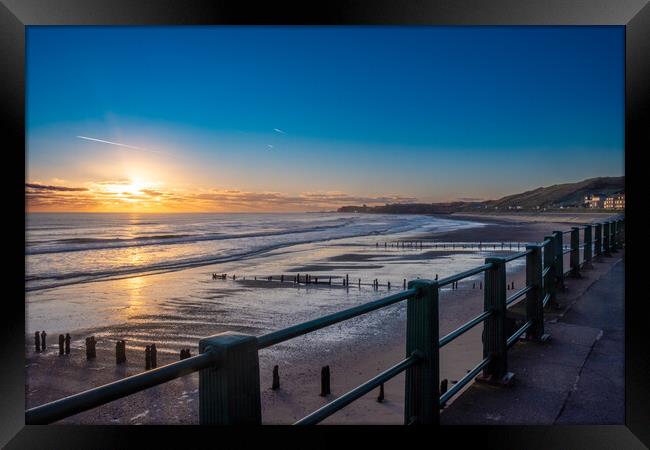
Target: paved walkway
{"points": [[577, 377]]}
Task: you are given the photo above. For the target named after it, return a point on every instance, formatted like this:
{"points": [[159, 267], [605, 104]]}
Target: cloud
{"points": [[269, 146], [116, 181], [152, 192], [118, 144], [100, 197], [277, 130], [305, 200], [47, 187]]}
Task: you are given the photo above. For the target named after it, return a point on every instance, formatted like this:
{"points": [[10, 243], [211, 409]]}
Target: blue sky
{"points": [[426, 113]]}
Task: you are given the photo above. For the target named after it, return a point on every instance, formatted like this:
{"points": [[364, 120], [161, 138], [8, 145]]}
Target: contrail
{"points": [[118, 144]]}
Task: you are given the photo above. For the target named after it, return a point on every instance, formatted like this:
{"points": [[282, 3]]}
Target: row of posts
{"points": [[151, 358], [452, 245]]}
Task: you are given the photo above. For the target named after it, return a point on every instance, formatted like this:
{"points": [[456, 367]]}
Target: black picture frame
{"points": [[15, 15]]}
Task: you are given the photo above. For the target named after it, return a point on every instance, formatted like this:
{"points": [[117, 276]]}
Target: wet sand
{"points": [[362, 354]]}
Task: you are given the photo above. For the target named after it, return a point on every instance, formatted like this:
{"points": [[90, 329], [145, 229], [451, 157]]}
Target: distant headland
{"points": [[593, 193]]}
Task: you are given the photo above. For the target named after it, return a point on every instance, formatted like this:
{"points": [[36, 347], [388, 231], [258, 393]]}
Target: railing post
{"points": [[588, 249], [535, 297], [606, 237], [599, 239], [549, 261], [559, 259], [574, 260], [613, 244], [229, 392], [495, 340], [422, 386]]}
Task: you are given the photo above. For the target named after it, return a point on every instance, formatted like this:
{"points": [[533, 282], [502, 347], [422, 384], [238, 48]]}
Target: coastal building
{"points": [[616, 201], [595, 201]]}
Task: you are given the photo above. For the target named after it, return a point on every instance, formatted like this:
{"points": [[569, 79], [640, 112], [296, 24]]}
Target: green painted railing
{"points": [[228, 363]]}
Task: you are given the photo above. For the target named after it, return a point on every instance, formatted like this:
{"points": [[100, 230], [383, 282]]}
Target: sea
{"points": [[149, 277]]}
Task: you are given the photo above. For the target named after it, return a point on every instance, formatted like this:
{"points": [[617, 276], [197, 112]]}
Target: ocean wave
{"points": [[88, 268], [83, 244]]}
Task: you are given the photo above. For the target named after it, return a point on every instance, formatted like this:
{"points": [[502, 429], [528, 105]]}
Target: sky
{"points": [[216, 118]]}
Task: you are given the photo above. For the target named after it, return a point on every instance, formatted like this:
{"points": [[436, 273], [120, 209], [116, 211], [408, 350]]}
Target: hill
{"points": [[555, 196], [566, 194]]}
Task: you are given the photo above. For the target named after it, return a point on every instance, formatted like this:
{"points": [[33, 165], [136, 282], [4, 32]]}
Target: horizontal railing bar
{"points": [[518, 294], [545, 271], [307, 327], [512, 339], [463, 328], [83, 401], [545, 242], [460, 276], [347, 398], [463, 381], [568, 250], [517, 255], [547, 297]]}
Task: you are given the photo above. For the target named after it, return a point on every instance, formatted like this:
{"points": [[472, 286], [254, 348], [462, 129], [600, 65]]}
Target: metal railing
{"points": [[228, 363]]}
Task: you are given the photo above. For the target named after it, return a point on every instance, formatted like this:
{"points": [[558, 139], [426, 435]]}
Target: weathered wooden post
{"points": [[535, 296], [90, 347], [494, 335], [443, 386], [588, 252], [67, 343], [43, 340], [422, 386], [559, 259], [606, 235], [574, 260], [147, 358], [61, 340], [229, 390], [325, 381], [154, 356], [404, 283], [598, 241], [380, 397], [347, 279], [120, 352], [613, 244], [37, 342], [276, 378]]}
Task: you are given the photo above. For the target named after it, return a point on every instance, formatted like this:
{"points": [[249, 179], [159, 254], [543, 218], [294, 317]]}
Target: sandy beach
{"points": [[355, 350]]}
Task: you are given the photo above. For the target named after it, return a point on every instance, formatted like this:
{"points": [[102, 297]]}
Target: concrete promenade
{"points": [[577, 376]]}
